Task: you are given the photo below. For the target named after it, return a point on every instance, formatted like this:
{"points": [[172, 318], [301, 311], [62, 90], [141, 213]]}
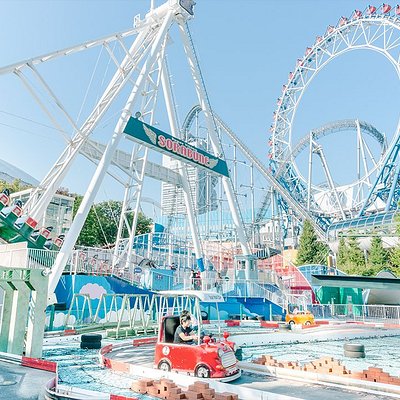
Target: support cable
{"points": [[89, 84]]}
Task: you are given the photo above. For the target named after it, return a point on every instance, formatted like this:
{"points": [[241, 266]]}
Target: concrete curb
{"points": [[350, 383]]}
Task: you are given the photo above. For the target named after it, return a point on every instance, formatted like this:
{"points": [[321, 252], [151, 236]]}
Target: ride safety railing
{"points": [[384, 314], [38, 258], [248, 289], [135, 312]]}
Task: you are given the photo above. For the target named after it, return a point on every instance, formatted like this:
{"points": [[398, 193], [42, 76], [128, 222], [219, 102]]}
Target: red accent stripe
{"points": [[309, 326], [118, 397], [269, 324], [4, 199], [37, 363], [232, 323], [69, 332], [45, 232], [17, 211], [395, 326], [58, 242], [139, 342], [31, 222], [106, 349], [120, 366]]}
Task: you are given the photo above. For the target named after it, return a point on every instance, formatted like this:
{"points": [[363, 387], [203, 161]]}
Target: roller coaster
{"points": [[377, 190]]}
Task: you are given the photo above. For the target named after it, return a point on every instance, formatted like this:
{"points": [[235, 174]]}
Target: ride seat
{"points": [[170, 325]]}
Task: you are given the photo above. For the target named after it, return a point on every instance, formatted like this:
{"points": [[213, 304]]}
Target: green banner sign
{"points": [[174, 147]]}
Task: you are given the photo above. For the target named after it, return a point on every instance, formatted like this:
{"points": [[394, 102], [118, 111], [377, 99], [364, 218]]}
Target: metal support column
{"points": [[106, 159], [166, 85], [216, 145]]}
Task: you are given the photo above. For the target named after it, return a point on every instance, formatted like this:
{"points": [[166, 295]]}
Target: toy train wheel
{"points": [[202, 371], [164, 366], [291, 322], [307, 323]]}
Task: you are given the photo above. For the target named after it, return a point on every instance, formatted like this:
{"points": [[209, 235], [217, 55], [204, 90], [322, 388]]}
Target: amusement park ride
{"points": [[209, 357], [142, 75]]}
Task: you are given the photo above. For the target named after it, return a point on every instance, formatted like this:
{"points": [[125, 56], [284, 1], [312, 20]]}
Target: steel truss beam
{"points": [[284, 195], [147, 45], [122, 160]]}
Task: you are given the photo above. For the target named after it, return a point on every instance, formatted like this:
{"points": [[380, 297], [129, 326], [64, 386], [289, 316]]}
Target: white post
{"points": [[166, 85], [253, 208], [121, 225], [363, 312], [203, 101], [309, 172], [150, 245], [106, 159]]}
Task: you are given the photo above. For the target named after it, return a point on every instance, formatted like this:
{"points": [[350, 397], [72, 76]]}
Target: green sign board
{"points": [[174, 147]]}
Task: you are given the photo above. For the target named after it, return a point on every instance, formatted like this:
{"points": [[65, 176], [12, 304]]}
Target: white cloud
{"points": [[59, 320], [93, 290]]}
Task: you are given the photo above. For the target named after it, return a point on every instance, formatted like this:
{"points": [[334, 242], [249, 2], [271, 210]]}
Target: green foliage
{"points": [[394, 253], [311, 251], [101, 225], [341, 258], [90, 234], [355, 260], [15, 186], [378, 256], [394, 260]]}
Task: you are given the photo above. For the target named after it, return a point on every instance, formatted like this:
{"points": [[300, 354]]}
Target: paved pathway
{"points": [[304, 390], [21, 383]]}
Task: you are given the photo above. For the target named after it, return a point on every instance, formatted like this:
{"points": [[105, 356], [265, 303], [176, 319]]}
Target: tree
{"points": [[394, 254], [310, 251], [15, 186], [143, 225], [394, 260], [101, 225], [90, 232], [378, 256], [355, 261], [341, 259]]}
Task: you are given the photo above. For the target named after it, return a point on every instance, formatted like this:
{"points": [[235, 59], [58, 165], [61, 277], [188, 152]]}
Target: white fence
{"points": [[356, 312]]}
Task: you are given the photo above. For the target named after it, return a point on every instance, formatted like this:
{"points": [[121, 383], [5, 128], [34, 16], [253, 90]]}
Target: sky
{"points": [[246, 50]]}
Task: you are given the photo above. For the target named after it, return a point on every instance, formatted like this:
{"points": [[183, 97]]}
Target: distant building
{"points": [[59, 211], [58, 214], [202, 187]]}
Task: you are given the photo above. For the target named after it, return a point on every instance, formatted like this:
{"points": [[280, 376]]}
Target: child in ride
{"points": [[184, 332]]}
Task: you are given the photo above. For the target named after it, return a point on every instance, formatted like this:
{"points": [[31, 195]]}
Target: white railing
{"points": [[357, 312], [94, 261], [247, 288], [164, 249], [38, 258]]}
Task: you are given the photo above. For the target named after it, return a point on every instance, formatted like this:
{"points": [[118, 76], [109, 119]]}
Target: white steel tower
{"points": [[144, 66]]}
